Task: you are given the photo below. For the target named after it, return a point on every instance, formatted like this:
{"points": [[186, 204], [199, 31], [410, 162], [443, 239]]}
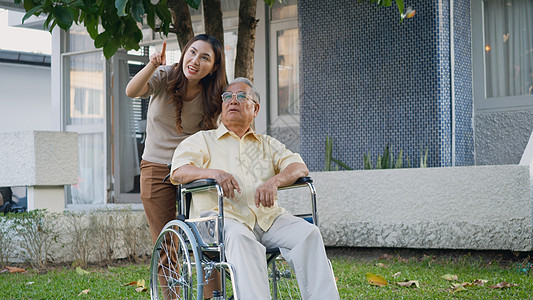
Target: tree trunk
{"points": [[181, 21], [244, 62], [213, 19]]}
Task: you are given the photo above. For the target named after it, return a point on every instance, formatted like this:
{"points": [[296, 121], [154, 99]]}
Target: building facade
{"points": [[455, 81]]}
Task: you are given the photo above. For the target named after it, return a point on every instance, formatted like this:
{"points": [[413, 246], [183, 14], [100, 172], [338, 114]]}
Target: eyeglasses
{"points": [[240, 96]]}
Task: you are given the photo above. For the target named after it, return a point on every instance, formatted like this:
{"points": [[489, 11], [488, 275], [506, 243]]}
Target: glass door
{"points": [[128, 127], [85, 113]]}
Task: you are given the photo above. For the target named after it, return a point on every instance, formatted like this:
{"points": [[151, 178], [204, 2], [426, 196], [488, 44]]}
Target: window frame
{"points": [[276, 120], [482, 104]]}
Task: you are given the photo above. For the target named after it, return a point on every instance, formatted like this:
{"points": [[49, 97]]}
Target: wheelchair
{"points": [[188, 250]]}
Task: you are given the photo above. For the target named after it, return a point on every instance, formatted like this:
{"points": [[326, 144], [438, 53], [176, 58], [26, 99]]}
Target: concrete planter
{"points": [[484, 208]]}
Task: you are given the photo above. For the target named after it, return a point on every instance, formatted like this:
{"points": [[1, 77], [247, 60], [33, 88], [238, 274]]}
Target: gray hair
{"points": [[253, 90]]}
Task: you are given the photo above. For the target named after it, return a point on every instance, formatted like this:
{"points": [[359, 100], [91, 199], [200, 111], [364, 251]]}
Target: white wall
{"points": [[25, 101]]}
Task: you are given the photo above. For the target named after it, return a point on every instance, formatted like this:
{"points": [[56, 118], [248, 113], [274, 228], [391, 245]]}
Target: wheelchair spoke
{"points": [[174, 272], [283, 283]]}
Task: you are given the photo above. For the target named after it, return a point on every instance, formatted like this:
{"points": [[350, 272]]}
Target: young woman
{"points": [[185, 98]]}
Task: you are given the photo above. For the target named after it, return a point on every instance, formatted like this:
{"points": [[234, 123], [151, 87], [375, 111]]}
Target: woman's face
{"points": [[198, 61]]}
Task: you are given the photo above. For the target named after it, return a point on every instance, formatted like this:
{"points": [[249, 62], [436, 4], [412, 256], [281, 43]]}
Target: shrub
{"points": [[38, 233]]}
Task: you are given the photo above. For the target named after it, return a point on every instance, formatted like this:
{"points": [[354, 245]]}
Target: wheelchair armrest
{"points": [[303, 180], [205, 182], [199, 183]]}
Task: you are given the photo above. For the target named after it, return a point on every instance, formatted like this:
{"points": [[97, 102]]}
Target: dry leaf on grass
{"points": [[141, 283], [81, 271], [397, 274], [477, 282], [409, 283], [381, 265], [457, 287], [13, 270], [502, 285], [449, 277], [84, 292], [374, 279]]}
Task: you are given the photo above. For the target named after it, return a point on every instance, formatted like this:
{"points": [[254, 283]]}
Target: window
{"points": [[503, 54], [284, 70]]}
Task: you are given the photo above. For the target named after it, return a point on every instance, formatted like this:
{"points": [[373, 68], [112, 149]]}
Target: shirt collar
{"points": [[222, 131]]}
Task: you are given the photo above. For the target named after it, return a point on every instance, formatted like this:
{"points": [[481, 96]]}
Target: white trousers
{"points": [[300, 244]]}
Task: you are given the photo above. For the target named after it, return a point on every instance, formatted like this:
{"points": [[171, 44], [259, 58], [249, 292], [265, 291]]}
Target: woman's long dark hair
{"points": [[212, 84]]}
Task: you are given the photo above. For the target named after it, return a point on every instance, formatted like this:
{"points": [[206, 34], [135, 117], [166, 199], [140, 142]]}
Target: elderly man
{"points": [[250, 168]]}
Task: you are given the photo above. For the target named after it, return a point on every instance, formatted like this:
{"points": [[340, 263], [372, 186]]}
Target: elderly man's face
{"points": [[235, 113]]}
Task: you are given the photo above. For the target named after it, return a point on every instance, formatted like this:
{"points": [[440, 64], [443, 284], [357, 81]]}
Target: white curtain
{"points": [[86, 115], [508, 47], [91, 185], [129, 156]]}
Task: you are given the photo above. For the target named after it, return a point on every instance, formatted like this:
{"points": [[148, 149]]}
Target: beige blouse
{"points": [[162, 136]]}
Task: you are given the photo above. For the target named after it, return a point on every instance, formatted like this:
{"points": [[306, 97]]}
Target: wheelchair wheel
{"points": [[175, 271], [283, 283]]}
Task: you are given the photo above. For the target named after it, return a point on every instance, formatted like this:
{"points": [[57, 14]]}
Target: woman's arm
{"points": [[138, 85]]}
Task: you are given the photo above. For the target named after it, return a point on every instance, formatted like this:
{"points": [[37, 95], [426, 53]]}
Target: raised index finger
{"points": [[163, 51]]}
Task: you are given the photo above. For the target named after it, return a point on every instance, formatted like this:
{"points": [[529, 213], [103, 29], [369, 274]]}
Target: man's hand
{"points": [[227, 182], [266, 193]]}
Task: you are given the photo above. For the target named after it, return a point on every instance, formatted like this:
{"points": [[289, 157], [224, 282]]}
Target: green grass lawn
{"points": [[350, 267]]}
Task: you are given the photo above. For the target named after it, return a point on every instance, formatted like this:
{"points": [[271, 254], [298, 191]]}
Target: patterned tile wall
{"points": [[464, 141], [367, 81]]}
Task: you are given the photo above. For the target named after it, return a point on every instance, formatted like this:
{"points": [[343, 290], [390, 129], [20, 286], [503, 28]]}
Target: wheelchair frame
{"points": [[205, 256]]}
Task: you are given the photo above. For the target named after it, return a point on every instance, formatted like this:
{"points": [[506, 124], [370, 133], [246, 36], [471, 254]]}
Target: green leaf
{"points": [[385, 3], [121, 7], [385, 158], [329, 150], [47, 21], [366, 162], [28, 5], [137, 10], [193, 3], [400, 5], [101, 39], [270, 2], [130, 43], [91, 23], [64, 16], [399, 160], [340, 163], [150, 17], [110, 48], [31, 12]]}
